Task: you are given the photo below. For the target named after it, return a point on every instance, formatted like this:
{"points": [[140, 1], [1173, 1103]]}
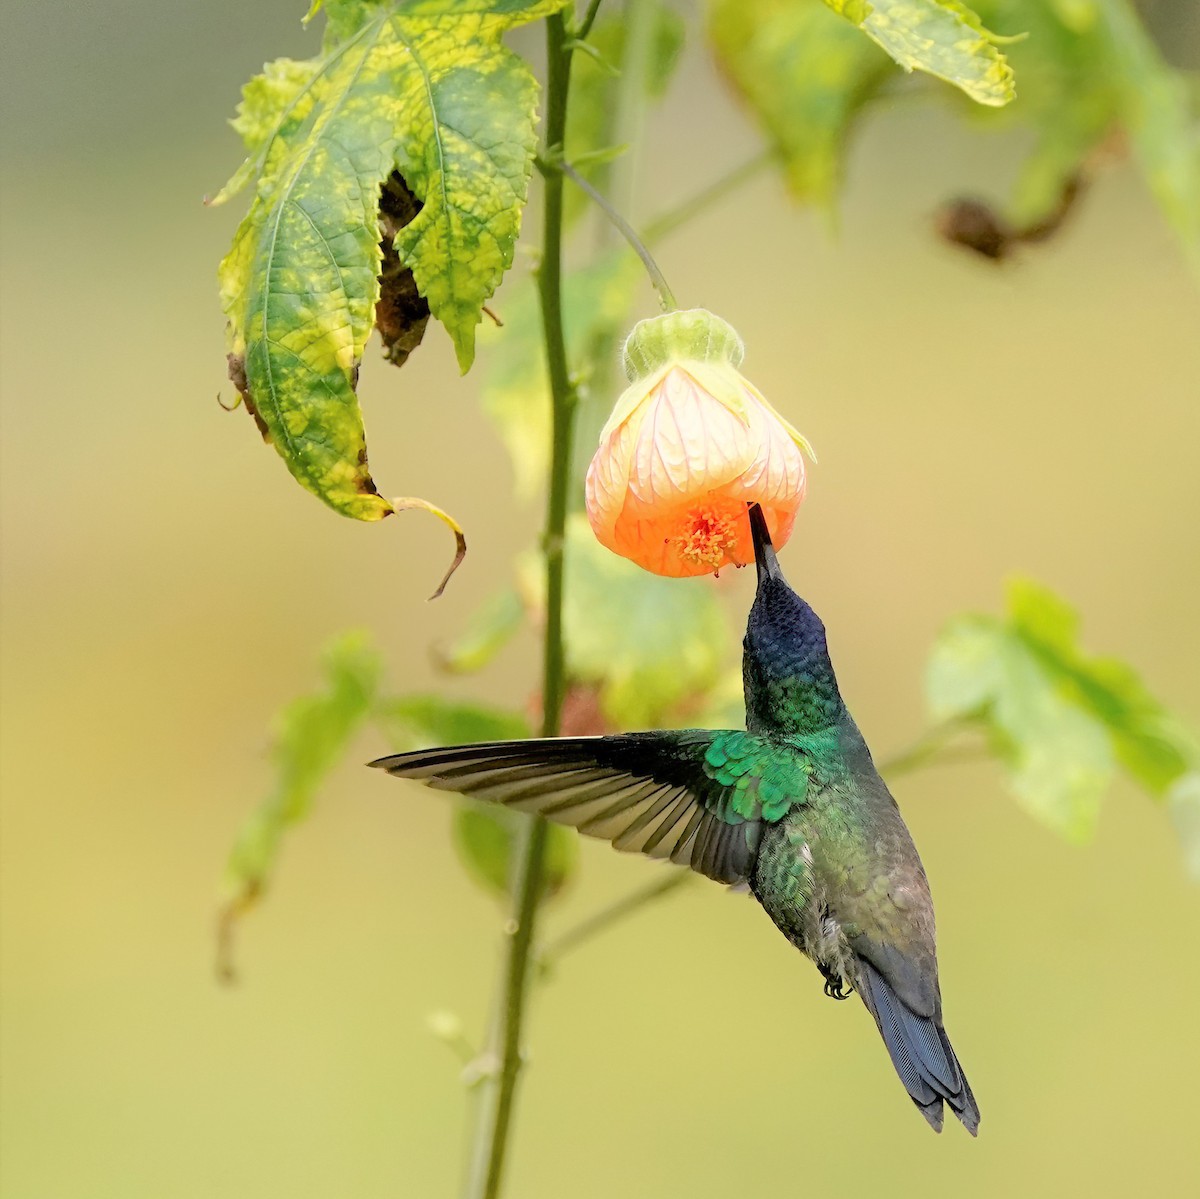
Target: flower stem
{"points": [[665, 295], [589, 19], [499, 1090]]}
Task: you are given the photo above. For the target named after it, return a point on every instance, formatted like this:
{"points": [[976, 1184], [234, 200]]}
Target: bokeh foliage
{"points": [[1060, 721], [1089, 80], [314, 732], [434, 100]]}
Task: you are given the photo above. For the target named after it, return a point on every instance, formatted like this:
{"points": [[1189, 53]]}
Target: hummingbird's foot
{"points": [[837, 987]]}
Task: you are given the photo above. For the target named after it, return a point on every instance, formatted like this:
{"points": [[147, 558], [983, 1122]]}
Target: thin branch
{"points": [[665, 295], [589, 19], [595, 55], [601, 921], [934, 748]]}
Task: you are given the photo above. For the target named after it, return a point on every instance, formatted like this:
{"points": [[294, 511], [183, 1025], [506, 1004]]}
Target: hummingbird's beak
{"points": [[764, 552]]}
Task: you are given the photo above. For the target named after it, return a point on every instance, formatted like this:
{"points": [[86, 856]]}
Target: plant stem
{"points": [[665, 295], [589, 19], [562, 390], [499, 1090]]}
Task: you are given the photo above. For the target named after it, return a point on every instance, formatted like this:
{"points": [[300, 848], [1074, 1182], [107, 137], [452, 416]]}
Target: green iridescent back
{"points": [[759, 781]]}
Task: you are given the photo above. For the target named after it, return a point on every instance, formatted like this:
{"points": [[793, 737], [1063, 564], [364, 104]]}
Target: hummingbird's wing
{"points": [[698, 797]]}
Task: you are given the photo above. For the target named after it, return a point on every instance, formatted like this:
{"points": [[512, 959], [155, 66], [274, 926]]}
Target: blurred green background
{"points": [[166, 587]]}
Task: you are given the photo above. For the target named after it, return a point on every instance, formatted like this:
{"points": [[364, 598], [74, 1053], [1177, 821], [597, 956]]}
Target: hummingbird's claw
{"points": [[837, 987]]}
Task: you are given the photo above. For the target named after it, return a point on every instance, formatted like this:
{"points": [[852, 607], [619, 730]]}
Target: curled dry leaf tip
{"points": [[405, 503]]}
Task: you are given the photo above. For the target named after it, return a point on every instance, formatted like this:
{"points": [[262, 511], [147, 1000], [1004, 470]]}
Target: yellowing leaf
{"points": [[281, 93], [425, 89], [941, 37]]}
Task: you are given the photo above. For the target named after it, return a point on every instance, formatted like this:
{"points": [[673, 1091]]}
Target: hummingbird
{"points": [[792, 807]]}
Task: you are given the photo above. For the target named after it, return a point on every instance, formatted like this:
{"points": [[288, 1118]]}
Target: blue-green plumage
{"points": [[792, 806]]}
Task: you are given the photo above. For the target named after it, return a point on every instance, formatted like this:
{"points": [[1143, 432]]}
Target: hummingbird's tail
{"points": [[921, 1053]]}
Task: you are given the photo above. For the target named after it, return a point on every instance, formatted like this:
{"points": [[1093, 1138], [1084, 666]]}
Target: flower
{"points": [[688, 446]]}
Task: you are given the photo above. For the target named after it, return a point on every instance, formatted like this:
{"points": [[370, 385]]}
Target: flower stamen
{"points": [[708, 536]]}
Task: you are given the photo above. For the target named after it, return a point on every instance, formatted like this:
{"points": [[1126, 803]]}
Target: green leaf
{"points": [[941, 37], [1060, 761], [484, 839], [1063, 721], [1158, 111], [516, 391], [489, 628], [806, 75], [1149, 741], [595, 82], [425, 89], [311, 735], [485, 835], [654, 647]]}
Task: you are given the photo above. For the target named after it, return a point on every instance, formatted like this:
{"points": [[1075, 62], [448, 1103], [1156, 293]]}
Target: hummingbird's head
{"points": [[789, 680]]}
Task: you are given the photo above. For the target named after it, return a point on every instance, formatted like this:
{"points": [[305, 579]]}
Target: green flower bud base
{"points": [[694, 335]]}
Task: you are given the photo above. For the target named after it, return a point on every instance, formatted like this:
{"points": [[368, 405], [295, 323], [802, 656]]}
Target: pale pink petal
{"points": [[687, 443], [778, 471]]}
